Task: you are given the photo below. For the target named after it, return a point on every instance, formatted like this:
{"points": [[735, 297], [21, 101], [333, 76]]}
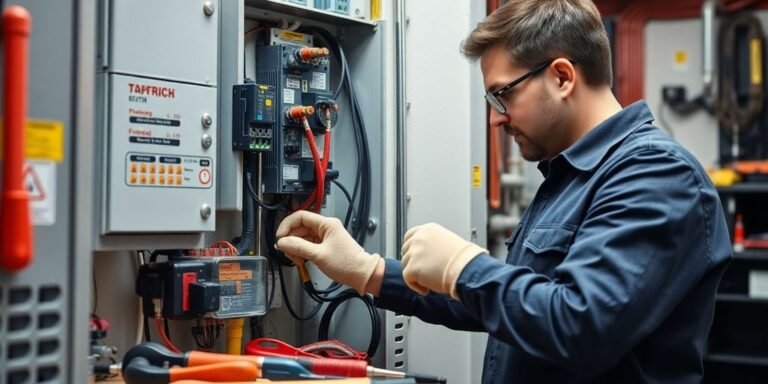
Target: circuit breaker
{"points": [[159, 104], [193, 287]]}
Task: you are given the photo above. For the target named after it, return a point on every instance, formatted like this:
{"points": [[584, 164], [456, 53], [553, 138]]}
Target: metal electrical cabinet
{"points": [[143, 90], [159, 101], [44, 307]]}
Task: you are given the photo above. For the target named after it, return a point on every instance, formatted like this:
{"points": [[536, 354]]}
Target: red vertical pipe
{"points": [[15, 229]]}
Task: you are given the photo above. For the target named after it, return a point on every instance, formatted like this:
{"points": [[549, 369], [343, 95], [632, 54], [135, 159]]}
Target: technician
{"points": [[612, 272]]}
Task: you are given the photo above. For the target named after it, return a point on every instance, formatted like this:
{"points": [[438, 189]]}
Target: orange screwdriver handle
{"points": [[15, 227], [198, 358], [228, 371]]}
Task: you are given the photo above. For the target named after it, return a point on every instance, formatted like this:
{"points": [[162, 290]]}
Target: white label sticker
{"points": [[293, 83], [40, 182], [318, 80], [758, 284], [319, 142], [290, 172], [288, 96]]}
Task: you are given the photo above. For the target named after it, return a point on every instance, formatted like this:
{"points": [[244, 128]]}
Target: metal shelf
{"points": [[303, 11], [739, 298], [737, 359], [752, 255], [745, 188]]}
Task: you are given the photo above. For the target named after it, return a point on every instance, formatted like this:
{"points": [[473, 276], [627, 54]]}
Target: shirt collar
{"points": [[591, 148]]}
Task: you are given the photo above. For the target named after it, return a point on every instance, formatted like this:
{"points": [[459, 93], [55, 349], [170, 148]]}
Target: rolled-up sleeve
{"points": [[643, 245], [433, 308]]}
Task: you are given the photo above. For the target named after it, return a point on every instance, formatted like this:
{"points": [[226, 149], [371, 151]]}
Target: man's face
{"points": [[533, 115]]}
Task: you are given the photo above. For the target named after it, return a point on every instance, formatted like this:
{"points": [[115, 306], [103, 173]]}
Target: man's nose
{"points": [[496, 119]]}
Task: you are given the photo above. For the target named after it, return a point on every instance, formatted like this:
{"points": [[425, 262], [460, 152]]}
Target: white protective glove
{"points": [[433, 258], [326, 243]]}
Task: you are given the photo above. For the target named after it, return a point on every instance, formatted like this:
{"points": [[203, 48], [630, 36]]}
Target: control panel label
{"points": [[290, 172], [145, 170], [288, 96], [319, 80], [293, 83]]}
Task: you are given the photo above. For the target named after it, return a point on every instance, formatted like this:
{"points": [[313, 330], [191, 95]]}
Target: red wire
{"points": [[317, 195], [166, 340]]}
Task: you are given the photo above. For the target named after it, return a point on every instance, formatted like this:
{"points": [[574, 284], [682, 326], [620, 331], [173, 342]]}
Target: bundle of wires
{"points": [[206, 331], [358, 212], [355, 218]]}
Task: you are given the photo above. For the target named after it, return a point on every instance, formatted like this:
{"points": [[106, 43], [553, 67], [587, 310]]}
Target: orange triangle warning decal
{"points": [[32, 184]]}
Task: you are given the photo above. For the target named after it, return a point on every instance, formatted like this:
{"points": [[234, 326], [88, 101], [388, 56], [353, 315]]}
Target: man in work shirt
{"points": [[612, 272]]}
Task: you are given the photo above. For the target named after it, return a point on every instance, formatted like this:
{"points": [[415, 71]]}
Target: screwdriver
{"points": [[268, 347], [301, 367], [152, 363], [356, 380]]}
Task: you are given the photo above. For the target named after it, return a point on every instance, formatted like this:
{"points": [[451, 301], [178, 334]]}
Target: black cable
{"points": [[248, 230], [255, 321], [325, 321], [271, 265], [333, 287], [272, 207], [147, 336], [271, 239], [349, 200], [288, 305]]}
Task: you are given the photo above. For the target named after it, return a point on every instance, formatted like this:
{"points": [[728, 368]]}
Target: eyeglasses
{"points": [[493, 97]]}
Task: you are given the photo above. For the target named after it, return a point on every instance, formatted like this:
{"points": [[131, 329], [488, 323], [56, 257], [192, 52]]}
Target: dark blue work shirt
{"points": [[611, 274]]}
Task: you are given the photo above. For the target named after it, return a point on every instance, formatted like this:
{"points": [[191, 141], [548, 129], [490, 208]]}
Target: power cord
{"points": [[349, 294]]}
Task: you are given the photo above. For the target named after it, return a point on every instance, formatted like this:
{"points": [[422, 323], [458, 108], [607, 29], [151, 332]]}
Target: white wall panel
{"points": [[445, 119]]}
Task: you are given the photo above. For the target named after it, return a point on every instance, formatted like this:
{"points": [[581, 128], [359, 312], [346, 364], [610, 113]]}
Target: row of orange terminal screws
{"points": [[151, 168], [152, 180]]}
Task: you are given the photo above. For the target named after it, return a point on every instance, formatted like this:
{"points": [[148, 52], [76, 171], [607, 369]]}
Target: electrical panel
{"points": [[159, 114], [289, 77]]}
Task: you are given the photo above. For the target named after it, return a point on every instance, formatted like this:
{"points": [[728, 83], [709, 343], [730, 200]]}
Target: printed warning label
{"points": [[40, 182]]}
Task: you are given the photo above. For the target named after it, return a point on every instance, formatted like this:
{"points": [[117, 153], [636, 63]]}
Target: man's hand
{"points": [[433, 258], [326, 243]]}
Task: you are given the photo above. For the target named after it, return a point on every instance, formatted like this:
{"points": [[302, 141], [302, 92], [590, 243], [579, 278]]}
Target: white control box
{"points": [[162, 154]]}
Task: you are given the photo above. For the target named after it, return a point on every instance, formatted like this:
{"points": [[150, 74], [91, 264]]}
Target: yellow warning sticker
{"points": [[44, 140], [292, 36], [756, 62], [681, 57], [477, 176], [375, 9]]}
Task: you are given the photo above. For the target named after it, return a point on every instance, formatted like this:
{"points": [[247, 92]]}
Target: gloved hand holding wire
{"points": [[433, 258], [325, 242]]}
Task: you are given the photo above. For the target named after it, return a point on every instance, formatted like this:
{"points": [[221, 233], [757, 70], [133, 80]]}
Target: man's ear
{"points": [[564, 76]]}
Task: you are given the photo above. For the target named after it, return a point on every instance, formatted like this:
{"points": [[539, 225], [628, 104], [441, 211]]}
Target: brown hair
{"points": [[534, 31]]}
